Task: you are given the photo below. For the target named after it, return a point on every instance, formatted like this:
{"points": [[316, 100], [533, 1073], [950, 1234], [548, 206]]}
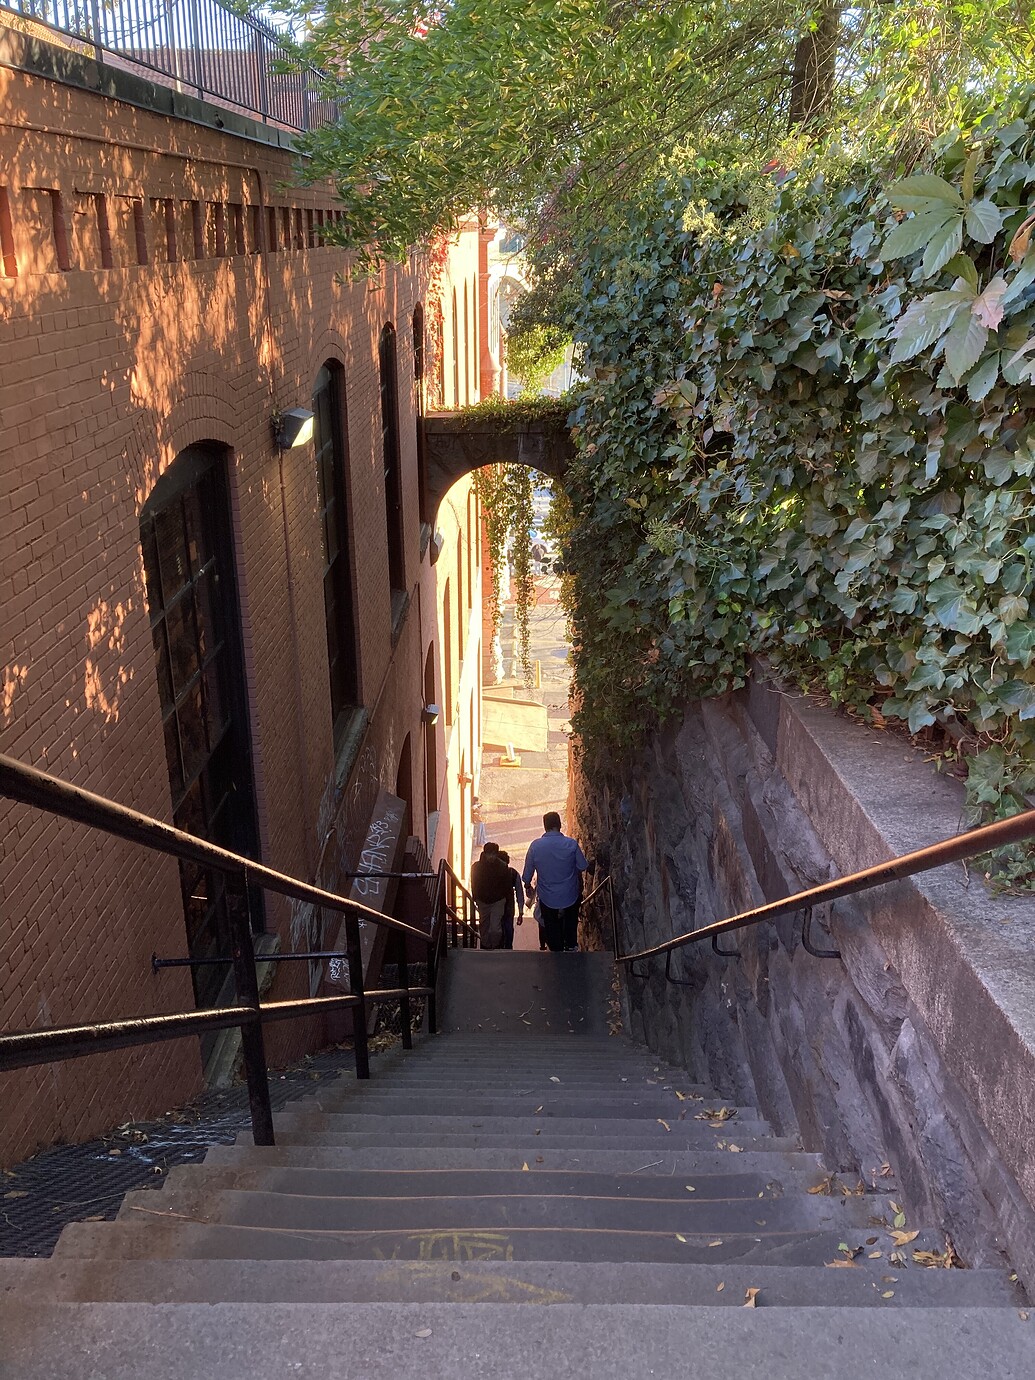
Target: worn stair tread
{"points": [[807, 1165], [609, 1342], [161, 1237], [452, 1181], [491, 1281], [537, 1104], [517, 1124], [290, 1131], [509, 1207]]}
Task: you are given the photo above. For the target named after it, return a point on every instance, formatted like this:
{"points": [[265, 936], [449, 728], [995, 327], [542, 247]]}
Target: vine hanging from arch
{"points": [[506, 494]]}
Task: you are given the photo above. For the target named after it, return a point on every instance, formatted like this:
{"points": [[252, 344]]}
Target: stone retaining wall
{"points": [[916, 1048]]}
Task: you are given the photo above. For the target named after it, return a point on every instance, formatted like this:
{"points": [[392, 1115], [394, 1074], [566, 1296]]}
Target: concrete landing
{"points": [[515, 993]]}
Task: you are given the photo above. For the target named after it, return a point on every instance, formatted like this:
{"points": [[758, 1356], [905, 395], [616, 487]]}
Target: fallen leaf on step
{"points": [[690, 1188], [903, 1238], [424, 1332], [720, 1286], [824, 1186], [17, 1193], [99, 1217], [734, 1149], [681, 1238], [750, 1296], [538, 1109], [715, 1243], [888, 1294], [717, 1114], [664, 1123], [841, 1265], [875, 1255], [1022, 1315], [554, 1079], [524, 1165], [899, 1219]]}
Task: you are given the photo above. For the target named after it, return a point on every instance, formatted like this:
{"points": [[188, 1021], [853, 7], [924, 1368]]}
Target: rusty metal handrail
{"points": [[29, 786], [23, 1049], [968, 845]]}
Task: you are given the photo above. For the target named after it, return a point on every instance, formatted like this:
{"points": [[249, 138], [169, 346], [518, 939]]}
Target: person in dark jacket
{"points": [[490, 884], [515, 902]]}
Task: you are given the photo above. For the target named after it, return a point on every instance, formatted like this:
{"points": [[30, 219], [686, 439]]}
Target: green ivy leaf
{"points": [[964, 343], [983, 220]]}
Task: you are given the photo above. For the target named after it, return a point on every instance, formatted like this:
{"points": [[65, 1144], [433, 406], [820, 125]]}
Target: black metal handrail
{"points": [[967, 845], [207, 46], [23, 1049]]}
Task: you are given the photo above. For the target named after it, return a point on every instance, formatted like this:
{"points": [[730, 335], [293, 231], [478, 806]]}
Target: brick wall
{"points": [[165, 284]]}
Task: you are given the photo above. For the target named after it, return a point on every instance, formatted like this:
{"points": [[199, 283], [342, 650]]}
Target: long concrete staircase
{"points": [[525, 1196]]}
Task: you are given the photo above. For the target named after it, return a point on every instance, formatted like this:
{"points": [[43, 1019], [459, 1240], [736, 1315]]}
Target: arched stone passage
{"points": [[455, 447]]}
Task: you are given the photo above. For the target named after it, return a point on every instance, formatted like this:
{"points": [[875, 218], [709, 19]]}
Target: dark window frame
{"points": [[331, 456], [391, 456]]}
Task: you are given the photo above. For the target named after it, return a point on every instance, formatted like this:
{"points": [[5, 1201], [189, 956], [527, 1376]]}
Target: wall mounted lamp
{"points": [[437, 543], [293, 427], [430, 713]]}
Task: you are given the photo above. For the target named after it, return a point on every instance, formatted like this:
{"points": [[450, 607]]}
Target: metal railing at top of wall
{"points": [[202, 47], [967, 845], [451, 923]]}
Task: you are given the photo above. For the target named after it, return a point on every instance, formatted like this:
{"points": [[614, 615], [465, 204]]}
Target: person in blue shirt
{"points": [[557, 863]]}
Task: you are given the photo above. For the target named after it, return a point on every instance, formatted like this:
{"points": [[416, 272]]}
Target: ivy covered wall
{"points": [[809, 432]]}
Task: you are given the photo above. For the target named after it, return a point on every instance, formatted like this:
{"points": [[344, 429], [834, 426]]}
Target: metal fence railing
{"points": [[199, 46]]}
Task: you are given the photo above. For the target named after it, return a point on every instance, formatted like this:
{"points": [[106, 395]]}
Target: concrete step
{"points": [[523, 1128], [527, 1141], [502, 1207], [164, 1237], [537, 1103], [505, 1079], [454, 1182], [489, 1281], [609, 1342], [789, 1169]]}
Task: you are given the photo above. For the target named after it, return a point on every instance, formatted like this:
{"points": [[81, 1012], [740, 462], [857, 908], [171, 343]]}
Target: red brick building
{"points": [[227, 635]]}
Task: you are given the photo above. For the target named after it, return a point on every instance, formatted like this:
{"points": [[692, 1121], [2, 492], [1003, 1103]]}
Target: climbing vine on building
{"points": [[809, 434]]}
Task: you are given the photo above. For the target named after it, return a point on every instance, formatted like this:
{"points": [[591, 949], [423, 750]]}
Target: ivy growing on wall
{"points": [[809, 433]]}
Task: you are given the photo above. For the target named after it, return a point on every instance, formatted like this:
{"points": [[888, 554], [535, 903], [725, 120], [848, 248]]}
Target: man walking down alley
{"points": [[555, 860]]}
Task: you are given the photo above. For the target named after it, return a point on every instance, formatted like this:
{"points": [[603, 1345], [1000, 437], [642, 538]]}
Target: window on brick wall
{"points": [[419, 359], [186, 536], [331, 446], [390, 451]]}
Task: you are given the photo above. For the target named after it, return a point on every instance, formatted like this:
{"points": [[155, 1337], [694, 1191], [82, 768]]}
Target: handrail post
{"points": [[252, 1043], [404, 1001], [359, 1011]]}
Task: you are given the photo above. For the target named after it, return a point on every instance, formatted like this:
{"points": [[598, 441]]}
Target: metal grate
{"points": [[79, 1183]]}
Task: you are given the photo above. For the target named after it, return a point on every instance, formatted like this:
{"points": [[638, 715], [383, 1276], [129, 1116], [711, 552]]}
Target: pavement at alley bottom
{"points": [[513, 800]]}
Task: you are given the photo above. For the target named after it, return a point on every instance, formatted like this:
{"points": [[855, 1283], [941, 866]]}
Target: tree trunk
{"points": [[812, 81]]}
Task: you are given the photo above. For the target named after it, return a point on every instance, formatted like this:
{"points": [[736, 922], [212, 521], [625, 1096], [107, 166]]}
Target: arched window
{"points": [[473, 554], [467, 350], [447, 653], [330, 440], [419, 357], [187, 543], [430, 738], [390, 449], [456, 354], [461, 607]]}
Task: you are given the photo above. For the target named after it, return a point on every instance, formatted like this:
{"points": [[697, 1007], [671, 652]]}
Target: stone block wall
{"points": [[909, 1061]]}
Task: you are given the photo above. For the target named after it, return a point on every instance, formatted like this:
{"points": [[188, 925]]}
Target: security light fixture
{"points": [[293, 427], [430, 713], [437, 543]]}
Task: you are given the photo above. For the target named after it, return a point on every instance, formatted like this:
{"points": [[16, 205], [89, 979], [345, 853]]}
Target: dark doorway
{"points": [[186, 536]]}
